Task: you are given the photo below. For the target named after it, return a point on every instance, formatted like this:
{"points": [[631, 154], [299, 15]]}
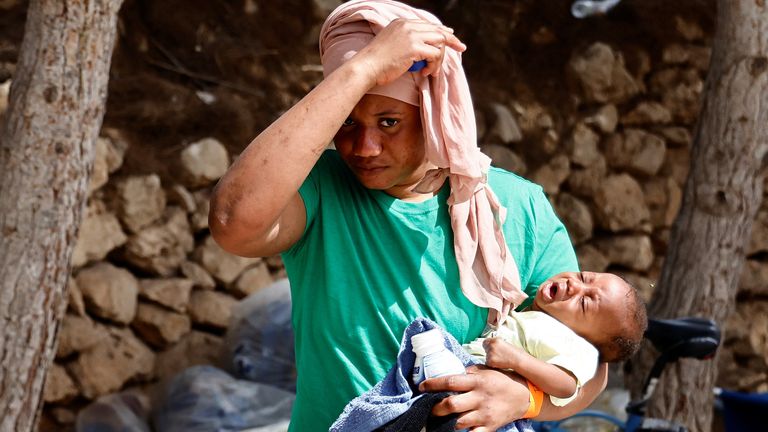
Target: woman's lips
{"points": [[369, 169]]}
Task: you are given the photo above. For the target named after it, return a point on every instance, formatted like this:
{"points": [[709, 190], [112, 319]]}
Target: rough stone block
{"points": [[109, 292], [107, 366], [158, 326]]}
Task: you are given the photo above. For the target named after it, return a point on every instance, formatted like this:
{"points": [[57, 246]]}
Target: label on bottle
{"points": [[418, 371], [442, 363]]}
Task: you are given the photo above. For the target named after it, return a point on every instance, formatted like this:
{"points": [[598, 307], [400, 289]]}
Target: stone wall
{"points": [[151, 292]]}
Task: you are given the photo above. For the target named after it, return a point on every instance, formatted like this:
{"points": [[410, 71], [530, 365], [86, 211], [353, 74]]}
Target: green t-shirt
{"points": [[368, 264]]}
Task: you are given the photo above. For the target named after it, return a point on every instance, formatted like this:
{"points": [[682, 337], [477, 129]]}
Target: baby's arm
{"points": [[551, 379]]}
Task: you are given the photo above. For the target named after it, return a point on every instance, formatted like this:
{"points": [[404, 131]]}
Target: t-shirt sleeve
{"points": [[555, 252], [310, 189]]}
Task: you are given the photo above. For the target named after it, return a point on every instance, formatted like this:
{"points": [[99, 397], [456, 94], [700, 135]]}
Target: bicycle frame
{"points": [[558, 425], [633, 423]]}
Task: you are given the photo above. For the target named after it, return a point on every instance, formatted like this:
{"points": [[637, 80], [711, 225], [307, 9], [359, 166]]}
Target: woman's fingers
{"points": [[430, 42], [403, 42], [470, 408], [440, 39], [453, 383], [452, 41], [435, 64], [471, 420], [439, 35], [489, 398]]}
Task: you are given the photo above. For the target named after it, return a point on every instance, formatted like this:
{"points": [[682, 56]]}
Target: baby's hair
{"points": [[624, 345]]}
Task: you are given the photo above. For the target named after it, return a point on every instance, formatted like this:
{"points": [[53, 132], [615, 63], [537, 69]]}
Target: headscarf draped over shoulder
{"points": [[488, 273]]}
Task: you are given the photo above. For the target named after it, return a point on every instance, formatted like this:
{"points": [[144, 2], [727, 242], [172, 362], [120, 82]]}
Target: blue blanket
{"points": [[393, 395]]}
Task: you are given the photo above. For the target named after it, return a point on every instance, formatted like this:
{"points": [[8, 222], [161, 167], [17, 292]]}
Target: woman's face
{"points": [[382, 143]]}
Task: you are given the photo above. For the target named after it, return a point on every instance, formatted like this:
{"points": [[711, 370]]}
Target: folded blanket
{"points": [[393, 396], [418, 417]]}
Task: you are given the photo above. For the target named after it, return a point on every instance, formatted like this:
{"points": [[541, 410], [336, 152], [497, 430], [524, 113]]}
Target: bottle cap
{"points": [[427, 342]]}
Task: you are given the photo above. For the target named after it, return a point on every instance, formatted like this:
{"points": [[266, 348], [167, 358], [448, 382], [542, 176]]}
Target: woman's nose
{"points": [[367, 143]]}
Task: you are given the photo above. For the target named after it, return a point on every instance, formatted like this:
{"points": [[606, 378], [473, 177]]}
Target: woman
{"points": [[373, 236]]}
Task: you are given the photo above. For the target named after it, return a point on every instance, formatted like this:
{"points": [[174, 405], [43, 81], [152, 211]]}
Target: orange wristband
{"points": [[536, 400]]}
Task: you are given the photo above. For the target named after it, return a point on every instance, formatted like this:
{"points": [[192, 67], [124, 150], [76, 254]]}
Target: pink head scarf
{"points": [[488, 273]]}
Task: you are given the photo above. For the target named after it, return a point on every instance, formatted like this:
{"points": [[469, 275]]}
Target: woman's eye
{"points": [[388, 122], [349, 122]]}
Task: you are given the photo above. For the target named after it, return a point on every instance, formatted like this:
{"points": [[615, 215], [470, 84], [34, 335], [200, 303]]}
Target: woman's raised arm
{"points": [[256, 209]]}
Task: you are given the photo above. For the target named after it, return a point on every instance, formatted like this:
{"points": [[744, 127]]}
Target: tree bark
{"points": [[722, 195], [46, 152]]}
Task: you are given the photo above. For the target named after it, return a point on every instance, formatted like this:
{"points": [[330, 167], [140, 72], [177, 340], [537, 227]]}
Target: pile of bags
{"points": [[254, 392]]}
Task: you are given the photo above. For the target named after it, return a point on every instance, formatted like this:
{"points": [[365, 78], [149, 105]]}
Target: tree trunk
{"points": [[722, 195], [46, 152]]}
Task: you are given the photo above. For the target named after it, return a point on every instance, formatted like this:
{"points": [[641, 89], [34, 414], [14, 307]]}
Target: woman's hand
{"points": [[402, 42], [488, 398]]}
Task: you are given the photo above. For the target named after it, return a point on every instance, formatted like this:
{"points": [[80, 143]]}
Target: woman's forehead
{"points": [[372, 104]]}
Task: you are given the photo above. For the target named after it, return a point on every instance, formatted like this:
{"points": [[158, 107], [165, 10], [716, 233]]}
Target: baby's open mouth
{"points": [[552, 291]]}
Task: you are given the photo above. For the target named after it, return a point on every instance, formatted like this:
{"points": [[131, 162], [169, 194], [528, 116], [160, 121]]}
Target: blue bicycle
{"points": [[674, 339]]}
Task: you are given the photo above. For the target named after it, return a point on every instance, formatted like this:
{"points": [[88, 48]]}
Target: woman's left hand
{"points": [[488, 398], [401, 43]]}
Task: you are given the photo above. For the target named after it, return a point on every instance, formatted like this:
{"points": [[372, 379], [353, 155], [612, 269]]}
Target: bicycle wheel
{"points": [[589, 422], [660, 425]]}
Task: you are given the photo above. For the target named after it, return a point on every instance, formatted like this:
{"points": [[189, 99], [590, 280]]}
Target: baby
{"points": [[576, 320]]}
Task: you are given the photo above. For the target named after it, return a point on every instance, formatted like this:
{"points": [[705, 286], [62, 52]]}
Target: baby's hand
{"points": [[501, 355]]}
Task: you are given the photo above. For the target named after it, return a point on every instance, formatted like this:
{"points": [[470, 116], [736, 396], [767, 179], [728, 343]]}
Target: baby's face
{"points": [[591, 304]]}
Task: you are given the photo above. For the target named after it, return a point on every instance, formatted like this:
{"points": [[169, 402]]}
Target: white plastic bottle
{"points": [[433, 359]]}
